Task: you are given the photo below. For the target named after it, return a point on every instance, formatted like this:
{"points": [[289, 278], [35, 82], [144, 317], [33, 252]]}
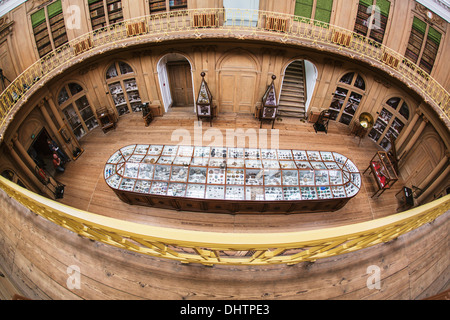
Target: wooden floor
{"points": [[36, 255], [86, 188]]}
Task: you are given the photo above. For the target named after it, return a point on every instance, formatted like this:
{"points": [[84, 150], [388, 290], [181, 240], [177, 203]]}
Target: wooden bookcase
{"points": [[49, 29], [105, 12], [157, 6]]}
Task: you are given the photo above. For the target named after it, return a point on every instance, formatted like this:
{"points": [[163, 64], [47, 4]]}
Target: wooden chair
{"points": [[322, 122], [106, 120], [147, 114]]}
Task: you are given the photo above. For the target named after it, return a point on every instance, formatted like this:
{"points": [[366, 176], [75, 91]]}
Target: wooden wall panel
{"points": [[228, 83]]}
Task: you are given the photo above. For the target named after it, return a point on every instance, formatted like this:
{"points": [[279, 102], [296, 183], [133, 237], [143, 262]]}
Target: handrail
{"points": [[211, 248], [222, 23]]}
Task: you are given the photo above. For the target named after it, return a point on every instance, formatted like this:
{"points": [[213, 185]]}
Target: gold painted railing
{"points": [[223, 23], [210, 248]]}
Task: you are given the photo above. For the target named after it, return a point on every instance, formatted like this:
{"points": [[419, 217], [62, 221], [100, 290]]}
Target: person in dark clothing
{"points": [[54, 148]]}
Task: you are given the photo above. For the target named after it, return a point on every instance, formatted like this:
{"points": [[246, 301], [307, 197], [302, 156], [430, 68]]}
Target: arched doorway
{"points": [[347, 97], [175, 81], [296, 92], [76, 108]]}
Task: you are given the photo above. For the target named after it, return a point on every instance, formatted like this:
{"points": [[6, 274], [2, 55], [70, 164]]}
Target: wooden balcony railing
{"points": [[210, 248]]}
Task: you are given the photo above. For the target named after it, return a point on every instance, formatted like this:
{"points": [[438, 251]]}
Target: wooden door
{"points": [[237, 91], [422, 159], [180, 81], [237, 82]]}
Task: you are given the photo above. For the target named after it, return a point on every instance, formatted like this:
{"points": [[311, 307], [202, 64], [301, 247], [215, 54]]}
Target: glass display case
{"points": [[205, 109], [269, 105], [383, 171], [259, 176]]}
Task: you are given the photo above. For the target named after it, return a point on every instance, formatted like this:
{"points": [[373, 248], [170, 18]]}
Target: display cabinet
{"points": [[269, 105], [198, 178], [383, 171], [205, 109]]}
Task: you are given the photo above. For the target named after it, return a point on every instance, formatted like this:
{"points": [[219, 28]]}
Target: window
{"points": [[348, 93], [390, 123], [120, 79], [167, 5], [48, 28], [371, 18], [423, 44], [76, 109], [241, 13], [319, 10]]}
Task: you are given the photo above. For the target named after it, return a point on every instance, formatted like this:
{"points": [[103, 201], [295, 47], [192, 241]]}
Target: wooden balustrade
{"points": [[209, 248]]}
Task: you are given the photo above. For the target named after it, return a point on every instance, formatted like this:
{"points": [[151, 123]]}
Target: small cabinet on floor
{"points": [[107, 121], [205, 109], [269, 108]]}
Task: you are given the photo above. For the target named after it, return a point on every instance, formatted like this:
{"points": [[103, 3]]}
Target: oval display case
{"points": [[232, 180]]}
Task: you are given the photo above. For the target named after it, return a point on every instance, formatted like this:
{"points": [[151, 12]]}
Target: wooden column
{"points": [[28, 173], [432, 188], [434, 174], [24, 156], [53, 128], [55, 112], [61, 123], [414, 138], [399, 142]]}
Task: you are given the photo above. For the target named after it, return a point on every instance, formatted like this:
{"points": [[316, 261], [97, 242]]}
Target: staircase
{"points": [[292, 97]]}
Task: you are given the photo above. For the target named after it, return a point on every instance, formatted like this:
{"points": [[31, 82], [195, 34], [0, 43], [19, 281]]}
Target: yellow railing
{"points": [[210, 248], [223, 23]]}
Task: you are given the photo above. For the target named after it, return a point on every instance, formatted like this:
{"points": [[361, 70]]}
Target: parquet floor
{"points": [[86, 188]]}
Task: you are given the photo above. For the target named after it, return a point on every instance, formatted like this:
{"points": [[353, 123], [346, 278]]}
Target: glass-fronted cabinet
{"points": [[123, 88], [76, 109], [347, 97]]}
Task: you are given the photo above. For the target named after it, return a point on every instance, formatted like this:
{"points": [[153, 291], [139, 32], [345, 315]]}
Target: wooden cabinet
{"points": [[205, 108], [269, 105], [232, 180]]}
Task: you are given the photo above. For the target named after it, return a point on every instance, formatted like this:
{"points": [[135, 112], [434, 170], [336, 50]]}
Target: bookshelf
{"points": [[105, 12]]}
